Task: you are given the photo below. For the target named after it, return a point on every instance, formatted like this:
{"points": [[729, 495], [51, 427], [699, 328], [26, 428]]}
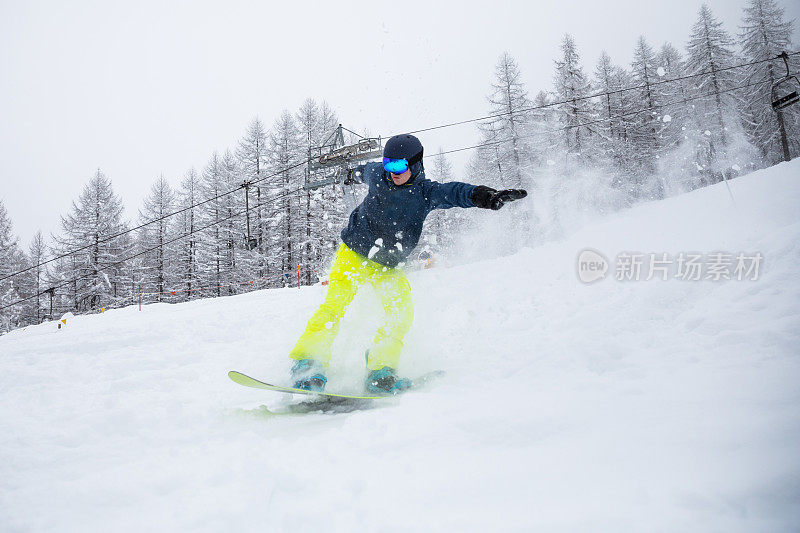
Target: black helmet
{"points": [[405, 147]]}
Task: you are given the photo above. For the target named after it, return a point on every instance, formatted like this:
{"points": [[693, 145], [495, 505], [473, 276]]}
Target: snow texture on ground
{"points": [[616, 406]]}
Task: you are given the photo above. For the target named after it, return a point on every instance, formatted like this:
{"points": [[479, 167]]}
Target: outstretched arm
{"points": [[447, 195], [457, 194]]}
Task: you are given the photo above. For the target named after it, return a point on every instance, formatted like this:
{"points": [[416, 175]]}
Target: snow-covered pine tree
{"points": [[187, 268], [212, 247], [58, 276], [627, 104], [442, 169], [605, 82], [615, 114], [12, 260], [240, 265], [676, 156], [542, 123], [577, 114], [37, 254], [95, 217], [507, 159], [252, 154], [319, 206], [157, 272], [488, 159], [670, 66], [708, 51], [765, 33], [333, 198], [306, 119], [646, 132], [285, 151], [509, 104]]}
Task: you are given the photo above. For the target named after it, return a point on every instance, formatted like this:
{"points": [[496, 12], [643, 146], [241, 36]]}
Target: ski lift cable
{"points": [[595, 95], [301, 163], [667, 104], [153, 221], [480, 145], [605, 119], [354, 133], [293, 191], [148, 250]]}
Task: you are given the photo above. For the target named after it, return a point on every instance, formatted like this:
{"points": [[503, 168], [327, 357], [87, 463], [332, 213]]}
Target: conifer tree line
{"points": [[691, 121], [219, 242]]}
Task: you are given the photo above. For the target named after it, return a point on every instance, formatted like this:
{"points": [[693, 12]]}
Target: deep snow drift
{"points": [[617, 406]]}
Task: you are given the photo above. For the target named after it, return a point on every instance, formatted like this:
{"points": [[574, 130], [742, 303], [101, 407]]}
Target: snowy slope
{"points": [[618, 406]]}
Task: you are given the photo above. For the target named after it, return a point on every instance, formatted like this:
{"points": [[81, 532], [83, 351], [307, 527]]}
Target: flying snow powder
{"points": [[377, 248], [660, 71], [666, 118]]}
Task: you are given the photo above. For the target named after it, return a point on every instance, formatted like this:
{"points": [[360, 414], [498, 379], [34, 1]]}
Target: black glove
{"points": [[355, 175], [488, 198]]}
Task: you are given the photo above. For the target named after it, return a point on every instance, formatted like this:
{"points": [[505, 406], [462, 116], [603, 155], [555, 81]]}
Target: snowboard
{"points": [[320, 405], [247, 381]]}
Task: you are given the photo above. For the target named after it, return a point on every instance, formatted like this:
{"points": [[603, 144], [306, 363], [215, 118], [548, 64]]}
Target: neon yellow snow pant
{"points": [[350, 271]]}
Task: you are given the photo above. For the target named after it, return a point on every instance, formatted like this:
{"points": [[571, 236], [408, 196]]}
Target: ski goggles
{"points": [[395, 166]]}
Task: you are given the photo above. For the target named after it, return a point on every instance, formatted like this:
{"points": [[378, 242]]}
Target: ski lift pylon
{"points": [[785, 90]]}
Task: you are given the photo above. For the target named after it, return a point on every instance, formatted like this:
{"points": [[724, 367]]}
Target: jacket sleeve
{"points": [[447, 195]]}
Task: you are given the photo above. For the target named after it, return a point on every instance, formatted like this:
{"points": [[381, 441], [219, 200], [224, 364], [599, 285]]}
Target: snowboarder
{"points": [[381, 233]]}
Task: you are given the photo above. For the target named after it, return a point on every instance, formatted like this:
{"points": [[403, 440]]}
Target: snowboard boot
{"points": [[308, 374], [385, 381]]}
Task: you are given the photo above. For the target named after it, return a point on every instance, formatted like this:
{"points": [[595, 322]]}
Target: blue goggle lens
{"points": [[395, 166]]}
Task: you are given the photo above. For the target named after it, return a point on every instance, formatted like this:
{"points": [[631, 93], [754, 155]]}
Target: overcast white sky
{"points": [[142, 88]]}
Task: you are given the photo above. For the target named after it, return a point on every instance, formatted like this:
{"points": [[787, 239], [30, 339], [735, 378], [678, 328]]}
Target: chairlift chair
{"points": [[785, 90], [251, 243]]}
